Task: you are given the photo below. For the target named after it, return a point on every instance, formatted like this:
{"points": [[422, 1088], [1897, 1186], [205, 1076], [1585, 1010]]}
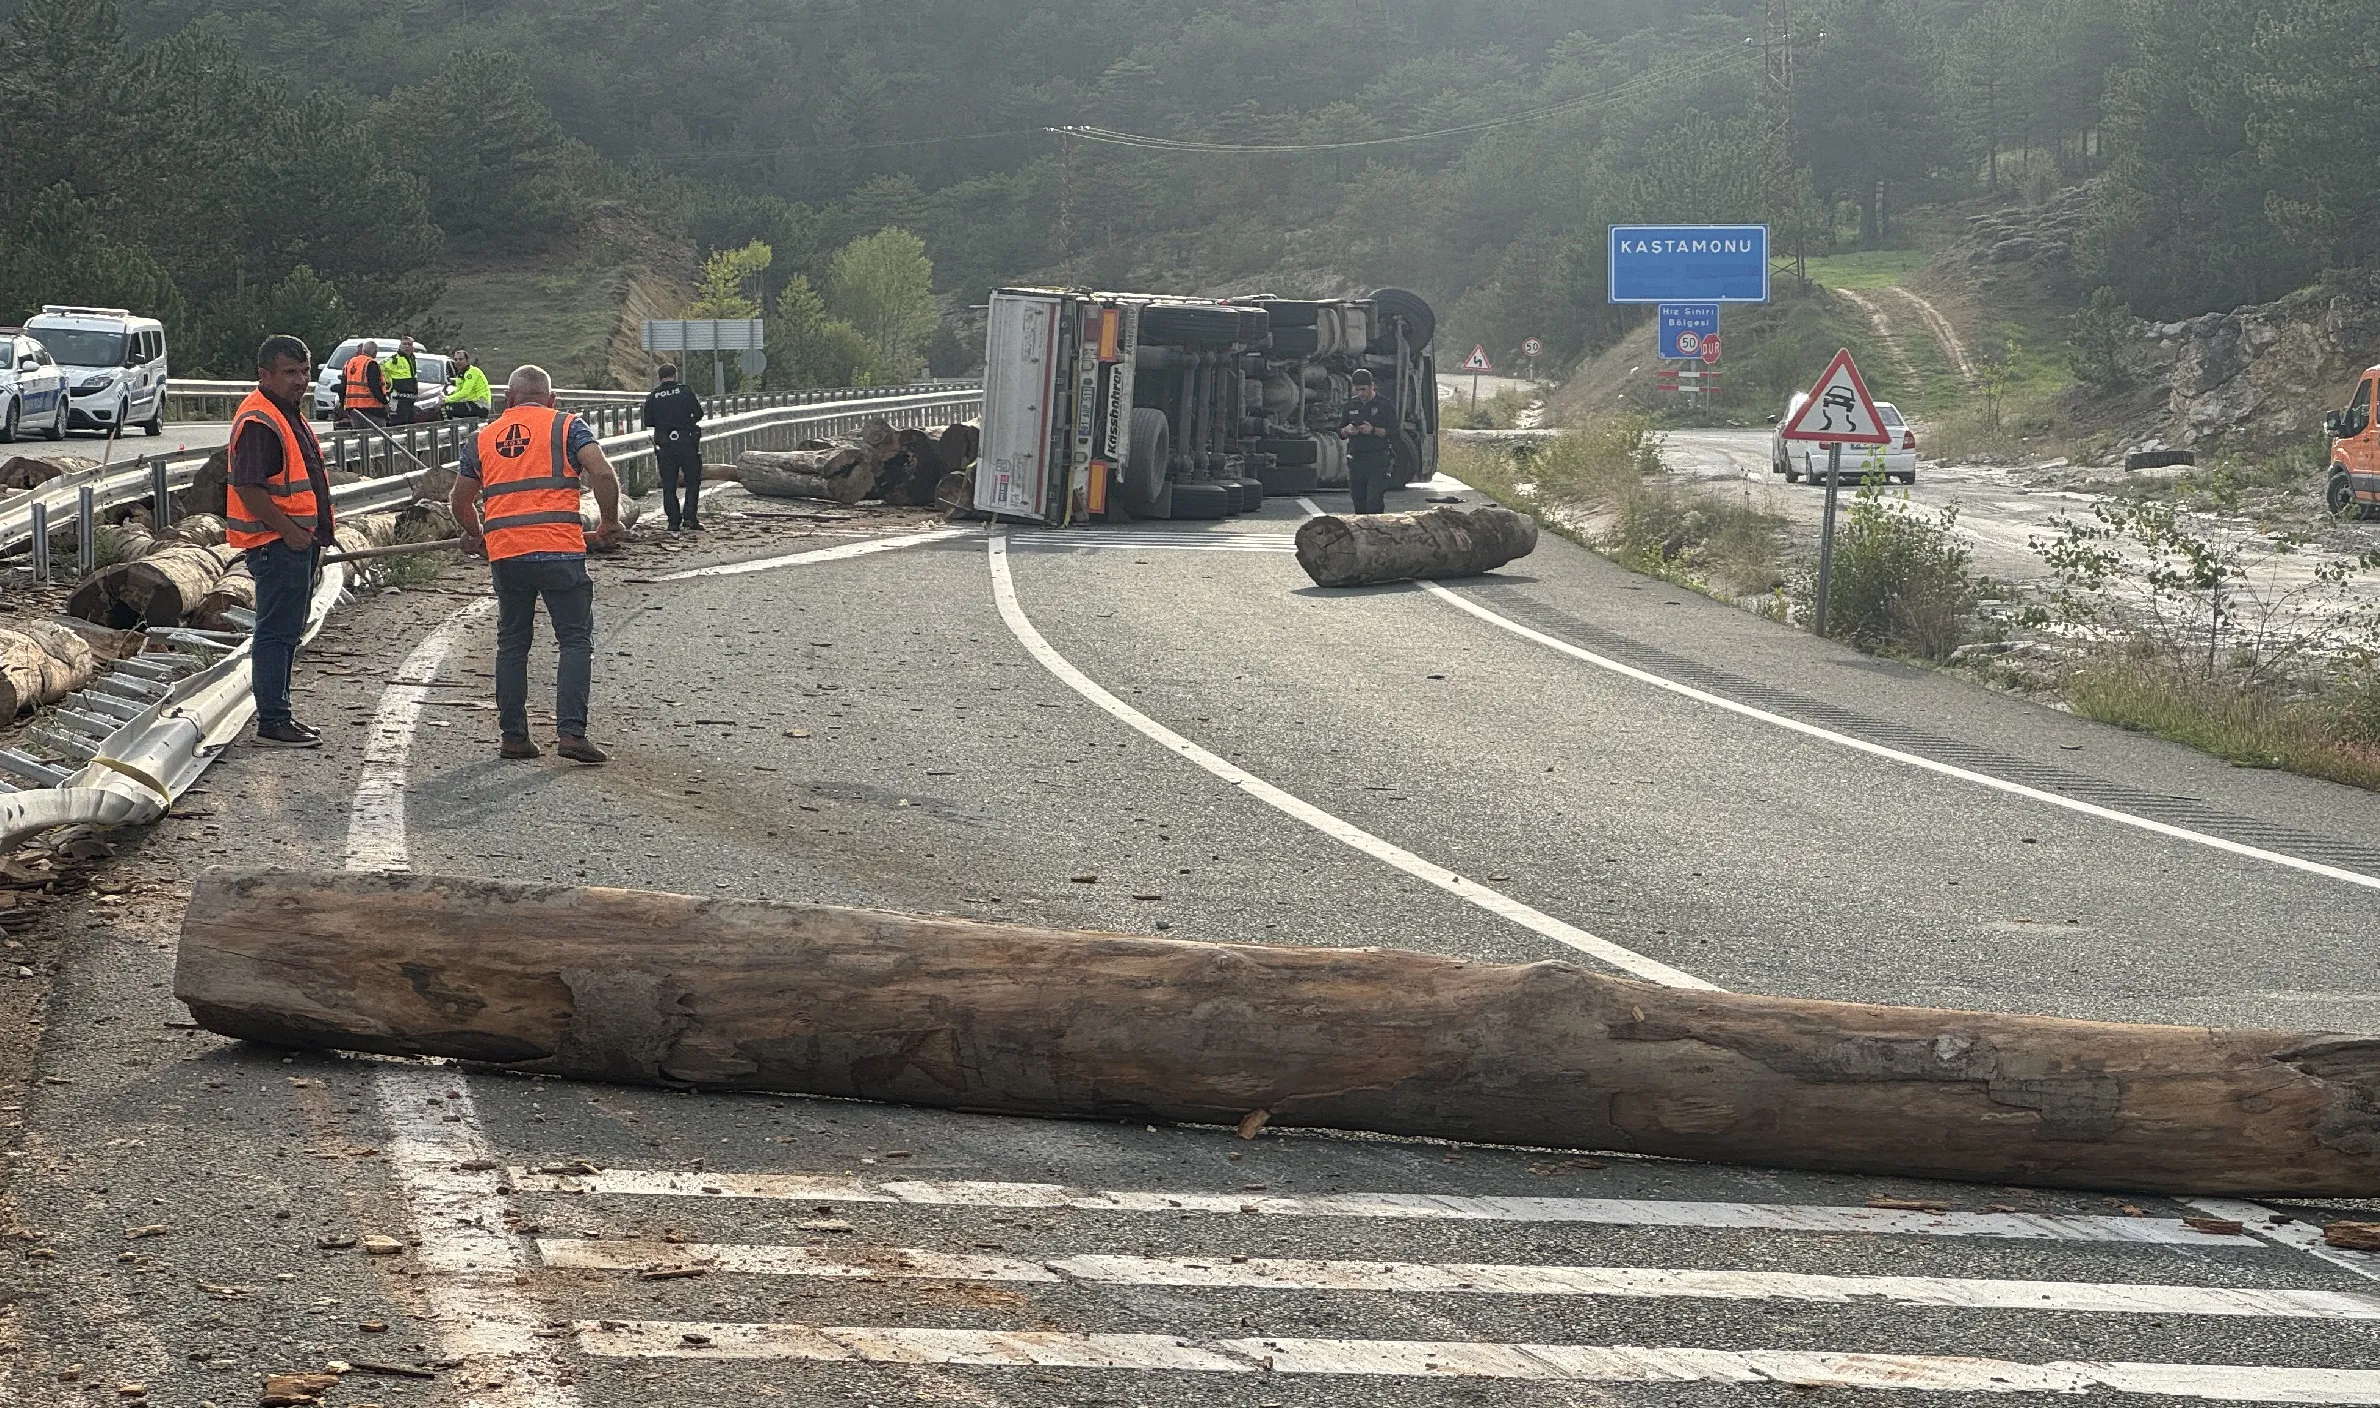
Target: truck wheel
{"points": [[1409, 470], [1201, 501], [1144, 464], [2339, 497], [1421, 325]]}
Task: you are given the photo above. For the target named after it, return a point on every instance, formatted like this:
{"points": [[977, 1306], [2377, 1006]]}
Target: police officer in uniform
{"points": [[516, 499], [404, 384], [1369, 426], [674, 414]]}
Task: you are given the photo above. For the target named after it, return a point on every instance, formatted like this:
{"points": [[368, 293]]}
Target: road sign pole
{"points": [[1826, 533], [1475, 391]]}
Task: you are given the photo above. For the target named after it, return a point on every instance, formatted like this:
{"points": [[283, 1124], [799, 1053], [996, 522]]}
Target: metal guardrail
{"points": [[144, 730], [735, 422], [186, 394]]}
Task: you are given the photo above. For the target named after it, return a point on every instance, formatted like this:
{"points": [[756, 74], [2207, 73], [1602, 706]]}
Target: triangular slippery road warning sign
{"points": [[1839, 410], [1478, 360]]}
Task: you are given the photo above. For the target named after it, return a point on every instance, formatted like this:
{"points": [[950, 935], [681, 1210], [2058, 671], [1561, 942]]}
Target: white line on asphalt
{"points": [[861, 548], [1915, 760], [1494, 902], [1436, 1207], [1228, 1272], [1460, 1359], [437, 1149], [376, 819], [2298, 1233]]}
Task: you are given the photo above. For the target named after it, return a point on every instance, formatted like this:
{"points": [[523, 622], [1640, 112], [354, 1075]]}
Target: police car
{"points": [[114, 361], [32, 388]]}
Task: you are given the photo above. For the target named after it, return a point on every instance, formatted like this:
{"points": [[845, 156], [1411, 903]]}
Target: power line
{"points": [[1634, 88]]}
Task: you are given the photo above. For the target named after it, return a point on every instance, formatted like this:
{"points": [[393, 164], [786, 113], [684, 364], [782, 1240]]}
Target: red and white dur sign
{"points": [[1839, 410]]}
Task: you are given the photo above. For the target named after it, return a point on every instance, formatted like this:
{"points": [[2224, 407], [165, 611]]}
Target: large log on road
{"points": [[41, 662], [1362, 550], [670, 989], [841, 474]]}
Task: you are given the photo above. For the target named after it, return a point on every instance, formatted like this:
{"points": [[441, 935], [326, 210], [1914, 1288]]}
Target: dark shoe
{"points": [[286, 736], [692, 526], [579, 750], [517, 747], [671, 528], [307, 729]]}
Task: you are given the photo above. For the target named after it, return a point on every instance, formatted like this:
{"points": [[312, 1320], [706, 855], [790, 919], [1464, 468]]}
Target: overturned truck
{"points": [[1117, 406]]}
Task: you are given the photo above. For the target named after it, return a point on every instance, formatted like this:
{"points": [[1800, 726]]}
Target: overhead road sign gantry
{"points": [[1839, 410], [1689, 264]]}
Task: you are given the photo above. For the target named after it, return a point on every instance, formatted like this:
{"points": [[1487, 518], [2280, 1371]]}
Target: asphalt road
{"points": [[180, 435], [871, 730]]}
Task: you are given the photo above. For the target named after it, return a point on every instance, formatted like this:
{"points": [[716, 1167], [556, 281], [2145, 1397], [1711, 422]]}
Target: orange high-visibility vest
{"points": [[358, 387], [292, 489], [528, 488]]}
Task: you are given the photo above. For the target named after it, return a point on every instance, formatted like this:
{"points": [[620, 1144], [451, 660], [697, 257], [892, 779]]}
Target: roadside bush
{"points": [[1704, 541], [1900, 583]]}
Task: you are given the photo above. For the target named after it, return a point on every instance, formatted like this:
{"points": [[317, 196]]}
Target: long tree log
{"points": [[32, 471], [235, 590], [1362, 550], [669, 989], [842, 474]]}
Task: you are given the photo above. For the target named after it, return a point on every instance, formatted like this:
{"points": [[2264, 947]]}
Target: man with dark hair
{"points": [[1368, 425], [674, 414], [280, 516]]}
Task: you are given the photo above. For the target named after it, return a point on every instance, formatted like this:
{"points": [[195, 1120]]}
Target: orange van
{"points": [[2354, 489]]}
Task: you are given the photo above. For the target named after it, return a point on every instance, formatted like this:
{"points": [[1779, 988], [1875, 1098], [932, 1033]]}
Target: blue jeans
{"points": [[570, 601], [284, 584]]}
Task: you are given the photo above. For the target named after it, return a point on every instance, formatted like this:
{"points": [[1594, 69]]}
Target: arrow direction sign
{"points": [[1839, 411]]}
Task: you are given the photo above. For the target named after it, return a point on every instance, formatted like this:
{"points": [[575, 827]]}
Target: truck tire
{"points": [[1409, 467], [1201, 500], [1144, 463], [2339, 495], [1297, 342], [1189, 327], [1421, 324], [1290, 454]]}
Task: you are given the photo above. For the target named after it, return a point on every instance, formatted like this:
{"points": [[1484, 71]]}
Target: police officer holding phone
{"points": [[1369, 426]]}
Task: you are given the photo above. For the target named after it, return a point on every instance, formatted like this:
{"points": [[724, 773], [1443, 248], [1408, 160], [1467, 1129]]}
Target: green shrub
{"points": [[1899, 583]]}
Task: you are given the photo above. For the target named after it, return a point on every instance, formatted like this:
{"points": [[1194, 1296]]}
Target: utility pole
{"points": [[1776, 105]]}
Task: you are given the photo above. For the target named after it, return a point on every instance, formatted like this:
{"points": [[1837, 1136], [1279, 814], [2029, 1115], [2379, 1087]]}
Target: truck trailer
{"points": [[1115, 406]]}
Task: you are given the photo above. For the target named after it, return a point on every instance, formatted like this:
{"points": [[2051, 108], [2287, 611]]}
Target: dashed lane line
{"points": [[1427, 1207], [1460, 1359], [1346, 833], [1244, 1273]]}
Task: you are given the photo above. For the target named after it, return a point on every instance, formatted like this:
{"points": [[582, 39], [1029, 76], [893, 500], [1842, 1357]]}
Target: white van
{"points": [[114, 361]]}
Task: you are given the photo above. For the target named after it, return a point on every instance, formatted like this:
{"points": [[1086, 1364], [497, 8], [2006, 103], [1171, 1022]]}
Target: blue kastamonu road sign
{"points": [[1689, 263], [1684, 326]]}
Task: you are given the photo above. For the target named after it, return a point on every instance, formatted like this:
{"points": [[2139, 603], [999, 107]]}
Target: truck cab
{"points": [[2354, 488], [1114, 406]]}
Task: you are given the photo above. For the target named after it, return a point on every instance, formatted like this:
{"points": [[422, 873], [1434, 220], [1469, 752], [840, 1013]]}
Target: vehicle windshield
{"points": [[1890, 412], [84, 347]]}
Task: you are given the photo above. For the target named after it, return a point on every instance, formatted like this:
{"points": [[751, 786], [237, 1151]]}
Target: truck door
{"points": [[1025, 450]]}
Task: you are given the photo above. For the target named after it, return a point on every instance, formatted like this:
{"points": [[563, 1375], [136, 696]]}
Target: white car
{"points": [[1801, 460], [115, 365], [432, 370], [32, 388]]}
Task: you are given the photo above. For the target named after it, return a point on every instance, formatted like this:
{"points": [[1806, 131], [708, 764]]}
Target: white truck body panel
{"points": [[1021, 391]]}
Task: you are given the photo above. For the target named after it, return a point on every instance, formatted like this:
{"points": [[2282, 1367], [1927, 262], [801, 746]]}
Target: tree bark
{"points": [[841, 474], [32, 471], [1361, 550], [235, 589], [165, 586], [41, 662], [625, 985]]}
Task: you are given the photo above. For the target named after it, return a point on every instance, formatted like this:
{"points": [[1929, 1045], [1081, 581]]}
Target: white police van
{"points": [[32, 388], [114, 361]]}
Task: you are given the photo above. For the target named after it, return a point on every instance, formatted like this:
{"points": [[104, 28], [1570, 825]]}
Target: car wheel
{"points": [[2339, 496], [1421, 324], [8, 424], [1144, 464], [1201, 501], [1793, 476], [57, 430], [155, 424]]}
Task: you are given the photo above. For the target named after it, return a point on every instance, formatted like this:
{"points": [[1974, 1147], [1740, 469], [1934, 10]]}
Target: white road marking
{"points": [[472, 1266], [1461, 1359], [1434, 1207], [1228, 1272], [1861, 745], [862, 548], [2297, 1233], [1494, 902]]}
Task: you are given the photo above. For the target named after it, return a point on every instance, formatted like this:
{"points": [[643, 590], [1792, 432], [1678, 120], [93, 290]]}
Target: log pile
{"points": [[623, 985], [1362, 550], [157, 581], [905, 468], [31, 471], [41, 662]]}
